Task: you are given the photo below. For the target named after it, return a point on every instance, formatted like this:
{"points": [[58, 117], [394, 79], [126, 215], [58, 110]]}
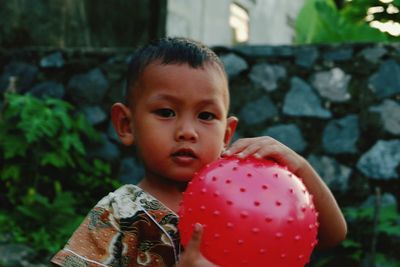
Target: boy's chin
{"points": [[183, 180], [184, 176], [181, 184]]}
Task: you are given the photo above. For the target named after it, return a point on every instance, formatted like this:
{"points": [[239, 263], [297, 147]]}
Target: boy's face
{"points": [[178, 119]]}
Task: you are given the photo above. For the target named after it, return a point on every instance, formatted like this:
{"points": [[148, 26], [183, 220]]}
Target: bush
{"points": [[373, 238], [47, 182], [41, 224], [319, 21]]}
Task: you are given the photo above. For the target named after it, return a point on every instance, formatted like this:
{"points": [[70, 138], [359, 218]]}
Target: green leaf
{"points": [[320, 22], [60, 110], [356, 10], [349, 243], [53, 159], [59, 104], [64, 118], [101, 167], [10, 172], [389, 213], [13, 146], [389, 229], [384, 260], [309, 25], [306, 23], [389, 221], [72, 140], [84, 126]]}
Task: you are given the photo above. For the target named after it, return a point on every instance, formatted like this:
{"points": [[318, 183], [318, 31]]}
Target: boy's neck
{"points": [[167, 191]]}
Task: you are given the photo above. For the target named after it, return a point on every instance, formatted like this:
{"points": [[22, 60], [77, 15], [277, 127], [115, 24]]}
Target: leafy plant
{"points": [[44, 225], [43, 142], [389, 219], [360, 10], [320, 21], [365, 225], [47, 181]]}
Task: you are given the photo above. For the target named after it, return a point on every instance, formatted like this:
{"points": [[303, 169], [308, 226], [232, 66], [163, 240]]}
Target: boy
{"points": [[177, 116]]}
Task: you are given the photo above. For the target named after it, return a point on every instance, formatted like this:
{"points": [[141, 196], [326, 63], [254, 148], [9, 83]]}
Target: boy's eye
{"points": [[165, 112], [207, 116]]}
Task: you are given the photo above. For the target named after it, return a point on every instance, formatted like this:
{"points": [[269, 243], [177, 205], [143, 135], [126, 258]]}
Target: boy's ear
{"points": [[232, 122], [121, 117]]}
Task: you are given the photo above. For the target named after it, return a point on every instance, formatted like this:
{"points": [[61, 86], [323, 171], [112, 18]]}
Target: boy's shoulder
{"points": [[127, 225], [125, 194], [128, 200]]}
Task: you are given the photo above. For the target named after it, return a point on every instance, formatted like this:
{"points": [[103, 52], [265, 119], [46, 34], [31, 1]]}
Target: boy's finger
{"points": [[195, 241], [236, 147], [251, 149]]}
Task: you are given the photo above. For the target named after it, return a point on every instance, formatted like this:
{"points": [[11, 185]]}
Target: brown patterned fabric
{"points": [[127, 228]]}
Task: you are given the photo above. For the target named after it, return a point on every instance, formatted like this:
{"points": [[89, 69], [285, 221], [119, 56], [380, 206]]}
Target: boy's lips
{"points": [[184, 156]]}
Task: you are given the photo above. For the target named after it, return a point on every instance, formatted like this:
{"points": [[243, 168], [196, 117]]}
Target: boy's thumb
{"points": [[195, 241]]}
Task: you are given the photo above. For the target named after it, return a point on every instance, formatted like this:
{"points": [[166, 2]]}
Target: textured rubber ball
{"points": [[254, 212]]}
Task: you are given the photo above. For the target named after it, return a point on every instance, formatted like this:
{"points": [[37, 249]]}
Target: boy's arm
{"points": [[332, 228], [332, 225]]}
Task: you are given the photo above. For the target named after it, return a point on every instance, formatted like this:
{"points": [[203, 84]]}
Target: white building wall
{"points": [[202, 20], [208, 20], [272, 21], [216, 22]]}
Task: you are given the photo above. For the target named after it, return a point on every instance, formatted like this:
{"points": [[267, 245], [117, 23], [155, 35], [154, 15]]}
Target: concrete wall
{"points": [[272, 20], [204, 20]]}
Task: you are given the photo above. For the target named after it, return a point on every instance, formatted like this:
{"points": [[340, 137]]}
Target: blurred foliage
{"points": [[373, 239], [321, 21], [42, 224], [47, 182]]}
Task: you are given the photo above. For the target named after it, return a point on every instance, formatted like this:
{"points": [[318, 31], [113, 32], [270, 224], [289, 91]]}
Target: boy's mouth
{"points": [[184, 155]]}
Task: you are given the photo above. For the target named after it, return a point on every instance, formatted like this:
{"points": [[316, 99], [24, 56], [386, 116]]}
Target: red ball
{"points": [[254, 212]]}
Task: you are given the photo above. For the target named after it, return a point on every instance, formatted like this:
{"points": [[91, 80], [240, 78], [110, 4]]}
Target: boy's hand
{"points": [[192, 256], [332, 229], [266, 147]]}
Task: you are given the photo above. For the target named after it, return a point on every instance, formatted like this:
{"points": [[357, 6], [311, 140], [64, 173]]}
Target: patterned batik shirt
{"points": [[127, 228]]}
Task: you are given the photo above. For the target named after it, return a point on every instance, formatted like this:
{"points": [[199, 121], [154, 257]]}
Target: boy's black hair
{"points": [[169, 50]]}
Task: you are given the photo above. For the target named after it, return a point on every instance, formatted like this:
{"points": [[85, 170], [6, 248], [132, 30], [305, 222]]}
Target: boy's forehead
{"points": [[152, 70]]}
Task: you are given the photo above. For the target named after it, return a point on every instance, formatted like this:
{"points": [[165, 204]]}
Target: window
{"points": [[239, 22]]}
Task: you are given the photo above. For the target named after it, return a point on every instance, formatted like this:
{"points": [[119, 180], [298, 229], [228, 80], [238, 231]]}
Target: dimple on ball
{"points": [[254, 212]]}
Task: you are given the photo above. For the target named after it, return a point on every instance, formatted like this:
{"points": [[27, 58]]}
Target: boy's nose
{"points": [[186, 132]]}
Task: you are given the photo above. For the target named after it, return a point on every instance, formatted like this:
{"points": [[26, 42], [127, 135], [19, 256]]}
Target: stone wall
{"points": [[339, 106], [336, 105]]}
